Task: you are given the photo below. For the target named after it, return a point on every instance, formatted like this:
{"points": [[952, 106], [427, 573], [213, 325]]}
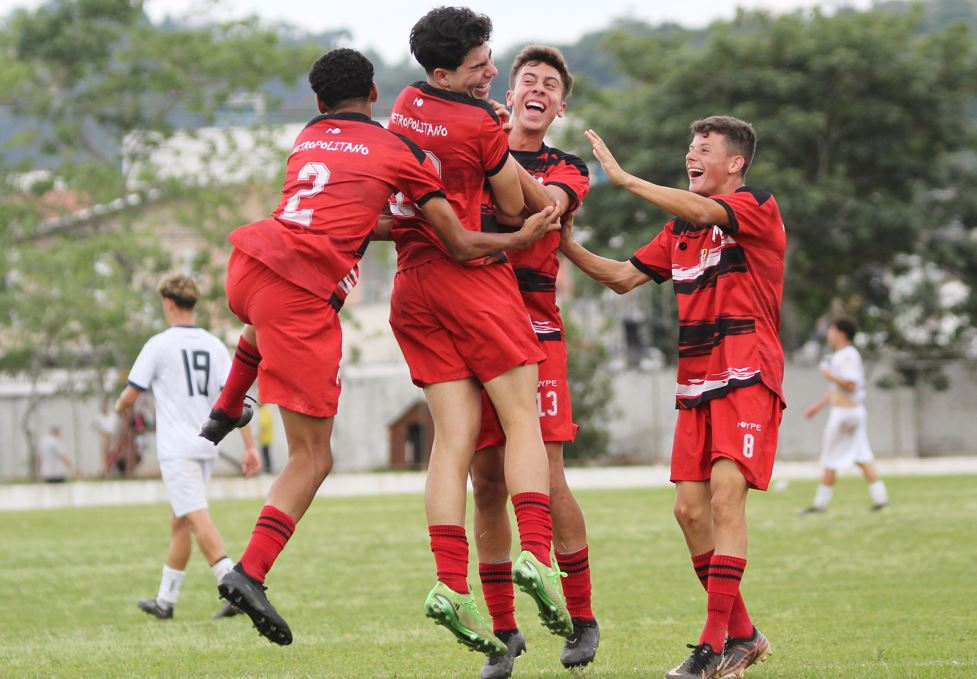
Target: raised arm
{"points": [[507, 188], [685, 205], [621, 277]]}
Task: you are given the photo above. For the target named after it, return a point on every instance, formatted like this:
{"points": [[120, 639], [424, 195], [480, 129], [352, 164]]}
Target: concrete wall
{"points": [[903, 422]]}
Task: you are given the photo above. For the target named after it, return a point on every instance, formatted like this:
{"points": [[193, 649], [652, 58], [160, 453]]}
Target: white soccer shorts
{"points": [[846, 438], [186, 483]]}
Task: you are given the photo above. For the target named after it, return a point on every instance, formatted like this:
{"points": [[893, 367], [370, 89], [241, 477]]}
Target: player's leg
{"points": [[493, 544], [230, 411], [573, 559], [456, 410], [876, 486], [174, 569], [513, 393]]}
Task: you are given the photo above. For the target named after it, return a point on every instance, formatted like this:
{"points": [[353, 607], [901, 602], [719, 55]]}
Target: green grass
{"points": [[847, 594]]}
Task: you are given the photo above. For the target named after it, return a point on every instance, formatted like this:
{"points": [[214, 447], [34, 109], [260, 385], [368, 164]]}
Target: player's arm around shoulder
{"points": [[621, 277]]}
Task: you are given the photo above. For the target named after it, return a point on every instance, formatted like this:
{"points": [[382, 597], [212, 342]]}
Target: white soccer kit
{"points": [[846, 432], [186, 367]]}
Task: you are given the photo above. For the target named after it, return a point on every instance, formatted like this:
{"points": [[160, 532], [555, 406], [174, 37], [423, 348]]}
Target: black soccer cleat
{"points": [[227, 611], [702, 663], [154, 608], [580, 647], [219, 425], [246, 593], [499, 666]]}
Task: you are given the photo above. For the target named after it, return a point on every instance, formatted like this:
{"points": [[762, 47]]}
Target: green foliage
{"points": [[857, 114], [838, 595]]}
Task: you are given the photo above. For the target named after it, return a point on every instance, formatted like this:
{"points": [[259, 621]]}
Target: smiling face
{"points": [[536, 97], [473, 77], [711, 167]]}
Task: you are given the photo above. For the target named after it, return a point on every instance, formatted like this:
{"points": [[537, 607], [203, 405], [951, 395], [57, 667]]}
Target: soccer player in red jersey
{"points": [[288, 277], [462, 326], [540, 83], [724, 252]]}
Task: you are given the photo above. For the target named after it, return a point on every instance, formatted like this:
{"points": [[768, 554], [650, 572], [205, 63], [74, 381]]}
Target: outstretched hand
{"points": [[615, 173]]}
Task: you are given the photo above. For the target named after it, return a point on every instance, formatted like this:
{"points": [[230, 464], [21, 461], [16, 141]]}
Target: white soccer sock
{"points": [[169, 586], [222, 566], [822, 496], [879, 493]]}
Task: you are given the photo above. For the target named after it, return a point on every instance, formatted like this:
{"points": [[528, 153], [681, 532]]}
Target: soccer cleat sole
{"points": [[554, 618], [444, 615], [741, 672], [215, 430], [275, 632]]}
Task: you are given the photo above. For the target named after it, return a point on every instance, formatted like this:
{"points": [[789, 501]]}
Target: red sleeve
{"points": [[655, 258], [494, 146], [571, 175], [753, 215], [417, 177]]}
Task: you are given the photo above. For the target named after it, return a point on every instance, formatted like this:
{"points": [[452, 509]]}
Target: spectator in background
{"points": [[266, 434], [55, 464], [104, 423]]}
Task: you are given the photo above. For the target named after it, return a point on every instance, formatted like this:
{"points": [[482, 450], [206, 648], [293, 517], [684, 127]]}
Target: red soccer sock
{"points": [[271, 533], [725, 573], [497, 587], [740, 624], [535, 524], [450, 546], [244, 371], [576, 585]]}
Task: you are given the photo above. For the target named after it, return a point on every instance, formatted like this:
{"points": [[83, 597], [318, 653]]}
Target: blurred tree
{"points": [[78, 263], [857, 114]]}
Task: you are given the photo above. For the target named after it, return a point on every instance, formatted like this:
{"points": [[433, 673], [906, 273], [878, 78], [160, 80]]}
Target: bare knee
{"points": [[691, 517], [488, 486], [726, 509]]}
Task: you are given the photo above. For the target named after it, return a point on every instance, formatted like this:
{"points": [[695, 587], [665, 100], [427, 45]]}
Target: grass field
{"points": [[847, 594]]}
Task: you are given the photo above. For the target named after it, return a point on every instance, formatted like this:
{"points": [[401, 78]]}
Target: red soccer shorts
{"points": [[299, 337], [454, 321], [742, 425], [552, 402]]}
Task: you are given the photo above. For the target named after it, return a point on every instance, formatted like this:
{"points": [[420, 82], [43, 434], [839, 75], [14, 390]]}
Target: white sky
{"points": [[385, 24]]}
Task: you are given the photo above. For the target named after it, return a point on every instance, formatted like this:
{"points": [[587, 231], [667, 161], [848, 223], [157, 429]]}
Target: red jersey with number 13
{"points": [[340, 175], [464, 139]]}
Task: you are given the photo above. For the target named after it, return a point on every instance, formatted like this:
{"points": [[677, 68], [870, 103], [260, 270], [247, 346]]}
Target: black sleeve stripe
{"points": [[137, 387], [574, 201], [646, 270], [734, 226], [415, 149], [498, 168], [428, 196], [759, 195], [576, 163]]}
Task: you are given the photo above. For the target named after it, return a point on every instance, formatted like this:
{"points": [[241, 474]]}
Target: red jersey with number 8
{"points": [[340, 175], [464, 140]]}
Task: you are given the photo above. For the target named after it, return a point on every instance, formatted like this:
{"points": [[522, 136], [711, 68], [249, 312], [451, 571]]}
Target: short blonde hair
{"points": [[180, 288]]}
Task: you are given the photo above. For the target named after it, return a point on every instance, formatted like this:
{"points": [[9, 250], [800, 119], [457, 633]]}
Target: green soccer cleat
{"points": [[542, 583], [458, 613]]}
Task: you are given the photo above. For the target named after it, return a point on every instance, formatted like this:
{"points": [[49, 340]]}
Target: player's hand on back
{"points": [[615, 173], [504, 116]]}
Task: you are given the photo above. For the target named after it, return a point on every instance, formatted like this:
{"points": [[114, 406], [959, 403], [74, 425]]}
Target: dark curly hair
{"points": [[340, 75], [845, 326], [443, 36]]}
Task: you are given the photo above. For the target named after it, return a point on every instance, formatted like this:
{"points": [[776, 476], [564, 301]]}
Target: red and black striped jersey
{"points": [[729, 282], [537, 266], [464, 140], [339, 176]]}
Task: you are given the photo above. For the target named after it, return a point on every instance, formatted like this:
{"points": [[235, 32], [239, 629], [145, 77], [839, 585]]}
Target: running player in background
{"points": [[289, 275], [846, 431], [185, 366], [724, 252], [539, 84], [463, 326]]}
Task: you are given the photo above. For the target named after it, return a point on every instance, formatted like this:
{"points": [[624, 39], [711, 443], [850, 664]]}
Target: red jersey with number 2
{"points": [[340, 175], [464, 140]]}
